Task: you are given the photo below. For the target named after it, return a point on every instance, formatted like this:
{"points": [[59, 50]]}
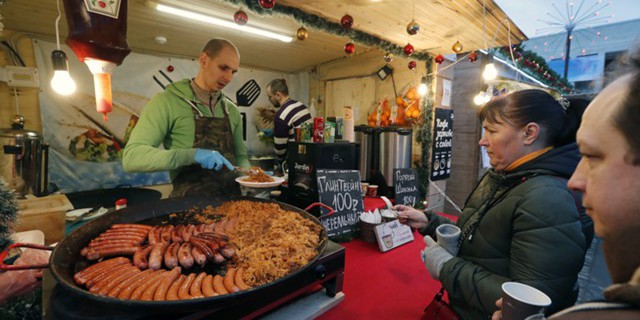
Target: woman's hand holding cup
{"points": [[411, 217]]}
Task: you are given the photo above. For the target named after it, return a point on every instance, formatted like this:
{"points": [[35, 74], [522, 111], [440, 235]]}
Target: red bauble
{"points": [[346, 21], [412, 65], [349, 48], [473, 57], [240, 17], [170, 68], [267, 4], [439, 59], [408, 49]]}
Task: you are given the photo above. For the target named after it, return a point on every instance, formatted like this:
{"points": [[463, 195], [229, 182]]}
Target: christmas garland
{"points": [[423, 132], [537, 67], [322, 24]]}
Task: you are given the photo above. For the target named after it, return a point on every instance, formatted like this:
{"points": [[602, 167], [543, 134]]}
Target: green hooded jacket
{"points": [[530, 233], [168, 120]]}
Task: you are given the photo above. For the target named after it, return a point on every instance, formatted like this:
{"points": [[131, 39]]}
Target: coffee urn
{"points": [[24, 159], [366, 137], [395, 151]]}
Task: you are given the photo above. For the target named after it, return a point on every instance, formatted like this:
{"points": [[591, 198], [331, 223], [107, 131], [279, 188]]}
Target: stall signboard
{"points": [[405, 183], [341, 190], [392, 235], [442, 141]]}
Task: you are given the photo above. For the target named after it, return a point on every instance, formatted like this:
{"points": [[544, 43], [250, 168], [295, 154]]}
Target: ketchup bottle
{"points": [[98, 37]]}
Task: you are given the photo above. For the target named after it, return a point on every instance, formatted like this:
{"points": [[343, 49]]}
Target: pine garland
{"points": [[424, 132], [8, 213], [537, 67], [321, 24]]}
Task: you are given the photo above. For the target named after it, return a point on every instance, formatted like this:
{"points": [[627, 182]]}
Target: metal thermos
{"points": [[395, 150], [365, 136], [24, 159]]}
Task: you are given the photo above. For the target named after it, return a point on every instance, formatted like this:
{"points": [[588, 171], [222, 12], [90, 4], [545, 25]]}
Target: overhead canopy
{"points": [[442, 23]]}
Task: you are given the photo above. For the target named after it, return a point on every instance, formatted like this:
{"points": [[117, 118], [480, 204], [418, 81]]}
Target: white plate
{"points": [[71, 215], [31, 236], [276, 182]]}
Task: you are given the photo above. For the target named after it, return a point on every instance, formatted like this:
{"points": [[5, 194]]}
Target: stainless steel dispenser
{"points": [[395, 150], [366, 138], [24, 163]]}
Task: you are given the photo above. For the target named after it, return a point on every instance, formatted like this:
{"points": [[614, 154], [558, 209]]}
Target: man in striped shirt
{"points": [[290, 114]]}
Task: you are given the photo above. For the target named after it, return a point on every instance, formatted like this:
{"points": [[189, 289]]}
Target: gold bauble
{"points": [[457, 47], [302, 33]]}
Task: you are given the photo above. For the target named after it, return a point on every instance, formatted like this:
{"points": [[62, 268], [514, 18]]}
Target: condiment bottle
{"points": [[121, 204]]}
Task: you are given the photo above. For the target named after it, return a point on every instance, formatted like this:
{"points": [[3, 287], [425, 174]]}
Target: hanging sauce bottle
{"points": [[98, 37]]}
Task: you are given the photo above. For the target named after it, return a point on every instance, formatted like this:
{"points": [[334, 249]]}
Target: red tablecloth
{"points": [[390, 285]]}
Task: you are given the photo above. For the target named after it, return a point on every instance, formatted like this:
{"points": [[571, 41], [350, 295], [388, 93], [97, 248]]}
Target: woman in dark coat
{"points": [[521, 222]]}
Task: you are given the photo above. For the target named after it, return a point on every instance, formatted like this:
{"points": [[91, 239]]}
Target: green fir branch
{"points": [[321, 24], [424, 132], [8, 213]]}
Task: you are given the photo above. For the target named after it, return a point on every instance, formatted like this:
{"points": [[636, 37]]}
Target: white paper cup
{"points": [[364, 186], [520, 301]]}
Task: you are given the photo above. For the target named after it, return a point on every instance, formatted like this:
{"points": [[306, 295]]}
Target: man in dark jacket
{"points": [[608, 175]]}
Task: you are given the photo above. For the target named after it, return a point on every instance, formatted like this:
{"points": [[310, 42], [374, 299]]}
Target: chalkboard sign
{"points": [[442, 141], [341, 190], [405, 183]]}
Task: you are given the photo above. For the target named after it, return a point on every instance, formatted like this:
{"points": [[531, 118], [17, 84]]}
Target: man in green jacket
{"points": [[198, 126]]}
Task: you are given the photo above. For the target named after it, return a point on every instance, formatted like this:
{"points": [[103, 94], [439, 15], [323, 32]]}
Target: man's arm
{"points": [[142, 152]]}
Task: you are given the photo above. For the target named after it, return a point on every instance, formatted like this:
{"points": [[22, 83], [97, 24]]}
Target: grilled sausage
{"points": [[141, 257], [239, 280], [153, 235], [218, 284], [161, 292], [131, 226], [176, 234], [126, 293], [114, 281], [188, 232], [183, 291], [140, 290], [156, 255], [165, 235], [87, 273], [209, 227], [105, 273], [199, 257], [218, 259], [220, 226], [98, 282], [196, 242], [172, 293], [184, 255], [207, 287], [110, 251], [171, 255], [196, 287], [148, 293], [128, 282], [229, 281], [227, 252]]}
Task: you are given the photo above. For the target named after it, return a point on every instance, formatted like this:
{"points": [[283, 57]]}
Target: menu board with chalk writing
{"points": [[341, 190], [405, 184]]}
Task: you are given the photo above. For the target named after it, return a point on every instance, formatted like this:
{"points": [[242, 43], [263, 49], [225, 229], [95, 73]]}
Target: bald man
{"points": [[198, 126]]}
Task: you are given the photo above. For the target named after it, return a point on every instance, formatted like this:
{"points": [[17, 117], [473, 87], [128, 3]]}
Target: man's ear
{"points": [[202, 58], [531, 132]]}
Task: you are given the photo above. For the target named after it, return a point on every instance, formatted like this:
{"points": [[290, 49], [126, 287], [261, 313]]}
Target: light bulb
{"points": [[479, 99], [422, 89], [62, 83], [490, 72]]}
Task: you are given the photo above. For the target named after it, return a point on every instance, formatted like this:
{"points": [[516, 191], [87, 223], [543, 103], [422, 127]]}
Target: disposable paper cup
{"points": [[372, 190], [520, 301], [364, 186]]}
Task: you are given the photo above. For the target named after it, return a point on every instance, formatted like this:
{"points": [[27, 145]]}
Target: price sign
{"points": [[341, 190], [405, 183]]}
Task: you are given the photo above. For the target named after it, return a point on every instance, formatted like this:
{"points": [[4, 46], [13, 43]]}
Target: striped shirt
{"points": [[290, 115]]}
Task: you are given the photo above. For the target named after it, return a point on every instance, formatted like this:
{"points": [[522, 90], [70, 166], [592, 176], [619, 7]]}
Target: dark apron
{"points": [[213, 134]]}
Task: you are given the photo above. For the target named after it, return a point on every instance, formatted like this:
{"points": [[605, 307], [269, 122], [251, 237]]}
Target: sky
{"points": [[525, 13]]}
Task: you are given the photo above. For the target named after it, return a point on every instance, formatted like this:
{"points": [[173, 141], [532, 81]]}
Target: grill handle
{"points": [[319, 204], [10, 267]]}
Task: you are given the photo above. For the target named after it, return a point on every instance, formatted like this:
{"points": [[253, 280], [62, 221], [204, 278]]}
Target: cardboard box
{"points": [[46, 214]]}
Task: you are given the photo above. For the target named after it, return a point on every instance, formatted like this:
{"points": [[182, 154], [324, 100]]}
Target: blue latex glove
{"points": [[434, 257], [210, 159], [267, 132]]}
